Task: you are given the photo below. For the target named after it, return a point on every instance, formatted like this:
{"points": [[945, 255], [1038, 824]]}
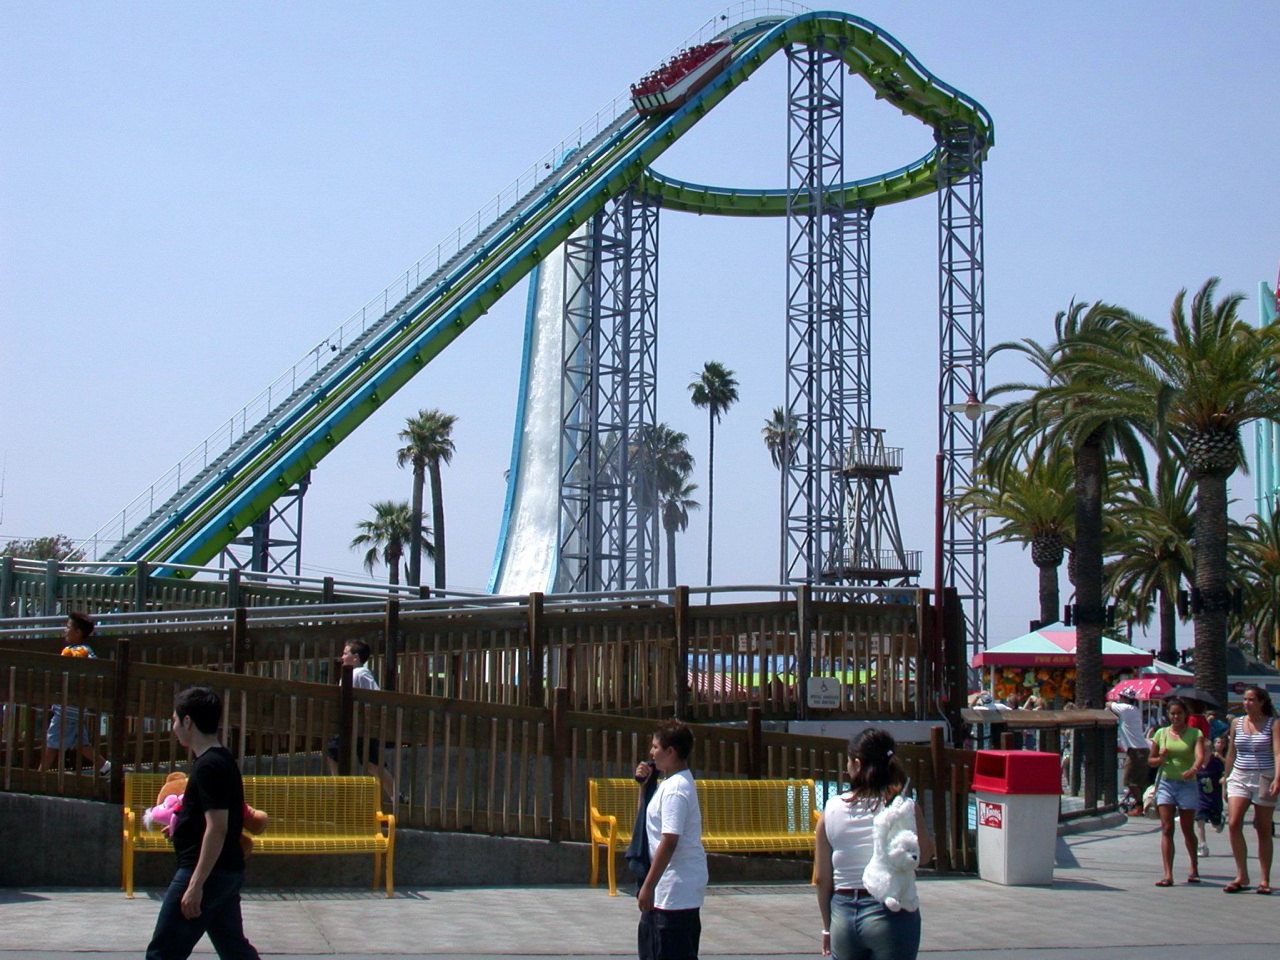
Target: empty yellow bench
{"points": [[309, 815], [738, 816]]}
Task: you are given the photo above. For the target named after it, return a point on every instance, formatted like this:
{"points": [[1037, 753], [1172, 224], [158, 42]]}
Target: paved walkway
{"points": [[1103, 899]]}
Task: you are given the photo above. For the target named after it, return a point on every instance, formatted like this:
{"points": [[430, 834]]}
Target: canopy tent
{"points": [[1142, 688], [1054, 645], [1160, 669]]}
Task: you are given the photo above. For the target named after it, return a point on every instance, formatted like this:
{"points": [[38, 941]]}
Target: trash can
{"points": [[1017, 794]]}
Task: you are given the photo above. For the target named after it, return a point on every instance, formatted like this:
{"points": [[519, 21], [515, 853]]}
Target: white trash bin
{"points": [[1017, 793]]}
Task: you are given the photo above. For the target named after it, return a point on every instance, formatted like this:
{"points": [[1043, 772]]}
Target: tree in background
{"points": [[1034, 504], [780, 433], [716, 390], [1261, 567], [428, 443], [677, 501], [385, 537], [57, 547]]}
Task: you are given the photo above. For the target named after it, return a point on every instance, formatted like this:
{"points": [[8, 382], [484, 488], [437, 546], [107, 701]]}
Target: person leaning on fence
{"points": [[204, 895], [67, 730], [356, 655], [1178, 751], [856, 926], [1253, 777], [670, 898], [1135, 745]]}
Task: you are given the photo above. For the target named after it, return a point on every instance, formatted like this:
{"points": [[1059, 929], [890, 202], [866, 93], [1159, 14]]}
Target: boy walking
{"points": [[204, 895], [671, 896]]}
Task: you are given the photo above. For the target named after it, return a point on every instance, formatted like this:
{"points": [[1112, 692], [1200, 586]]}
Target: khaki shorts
{"points": [[1252, 785]]}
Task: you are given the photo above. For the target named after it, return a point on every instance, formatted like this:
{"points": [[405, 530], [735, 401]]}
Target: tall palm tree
{"points": [[428, 443], [1261, 567], [716, 390], [1035, 505], [1154, 526], [660, 463], [384, 537], [677, 501], [780, 432], [1207, 377], [1081, 410]]}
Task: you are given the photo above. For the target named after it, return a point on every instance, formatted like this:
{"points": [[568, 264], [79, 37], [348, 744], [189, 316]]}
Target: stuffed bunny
{"points": [[890, 877]]}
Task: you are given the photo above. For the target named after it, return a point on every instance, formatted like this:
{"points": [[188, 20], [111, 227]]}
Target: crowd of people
{"points": [[1208, 769], [675, 68]]}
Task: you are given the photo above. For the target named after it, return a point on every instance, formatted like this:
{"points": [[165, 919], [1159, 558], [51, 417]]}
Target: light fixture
{"points": [[972, 408]]}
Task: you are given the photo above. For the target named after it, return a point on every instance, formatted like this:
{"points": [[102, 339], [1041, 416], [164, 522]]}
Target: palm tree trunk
{"points": [[437, 521], [1049, 596], [1168, 628], [1211, 579], [393, 564], [711, 495], [415, 543], [671, 557], [1088, 556]]}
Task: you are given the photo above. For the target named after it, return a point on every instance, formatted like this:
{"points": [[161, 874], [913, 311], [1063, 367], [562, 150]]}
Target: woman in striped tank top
{"points": [[1253, 777]]}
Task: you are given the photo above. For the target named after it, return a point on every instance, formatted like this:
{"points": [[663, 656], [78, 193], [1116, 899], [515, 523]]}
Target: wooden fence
{"points": [[464, 765], [705, 663]]}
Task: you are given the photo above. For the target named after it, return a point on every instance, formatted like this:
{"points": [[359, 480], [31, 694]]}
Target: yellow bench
{"points": [[738, 816], [308, 815]]}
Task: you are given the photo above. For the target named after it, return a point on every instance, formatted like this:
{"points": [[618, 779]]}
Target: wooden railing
{"points": [[628, 658], [463, 765]]}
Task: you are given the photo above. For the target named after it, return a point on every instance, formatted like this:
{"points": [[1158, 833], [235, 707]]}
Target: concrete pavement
{"points": [[1103, 904]]}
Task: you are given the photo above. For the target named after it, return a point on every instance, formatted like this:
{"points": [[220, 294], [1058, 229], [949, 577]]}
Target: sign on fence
{"points": [[824, 693]]}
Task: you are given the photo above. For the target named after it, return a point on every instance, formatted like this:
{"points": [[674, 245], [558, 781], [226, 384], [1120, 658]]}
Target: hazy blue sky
{"points": [[194, 194]]}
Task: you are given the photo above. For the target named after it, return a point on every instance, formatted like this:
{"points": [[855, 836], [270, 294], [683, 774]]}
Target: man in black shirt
{"points": [[204, 896]]}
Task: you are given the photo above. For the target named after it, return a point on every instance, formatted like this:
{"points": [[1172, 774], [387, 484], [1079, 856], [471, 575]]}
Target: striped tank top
{"points": [[1254, 750]]}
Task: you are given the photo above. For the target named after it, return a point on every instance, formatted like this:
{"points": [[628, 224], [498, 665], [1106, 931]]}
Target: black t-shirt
{"points": [[214, 784]]}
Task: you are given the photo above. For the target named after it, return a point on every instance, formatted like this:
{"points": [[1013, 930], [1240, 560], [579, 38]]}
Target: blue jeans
{"points": [[865, 929], [175, 936]]}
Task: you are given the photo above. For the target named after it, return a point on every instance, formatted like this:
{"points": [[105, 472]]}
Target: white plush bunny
{"points": [[890, 877]]}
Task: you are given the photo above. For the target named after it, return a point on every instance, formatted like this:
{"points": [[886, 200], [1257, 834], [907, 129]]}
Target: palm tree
{"points": [[1034, 504], [677, 501], [1082, 410], [780, 432], [716, 390], [660, 463], [1261, 567], [1153, 558], [1202, 381], [384, 537], [428, 443]]}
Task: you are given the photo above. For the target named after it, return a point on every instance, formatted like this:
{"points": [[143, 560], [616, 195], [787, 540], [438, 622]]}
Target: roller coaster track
{"points": [[390, 340]]}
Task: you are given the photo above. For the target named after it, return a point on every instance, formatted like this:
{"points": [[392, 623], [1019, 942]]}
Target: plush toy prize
{"points": [[890, 877], [169, 805]]}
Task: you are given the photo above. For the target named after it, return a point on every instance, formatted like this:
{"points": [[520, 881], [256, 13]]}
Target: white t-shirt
{"points": [[362, 679], [1132, 736], [851, 832], [674, 809]]}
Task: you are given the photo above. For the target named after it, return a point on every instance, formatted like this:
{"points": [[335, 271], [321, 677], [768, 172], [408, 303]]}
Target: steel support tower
{"points": [[609, 506], [260, 551], [962, 366]]}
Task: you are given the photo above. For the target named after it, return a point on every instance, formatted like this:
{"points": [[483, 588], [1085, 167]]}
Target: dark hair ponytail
{"points": [[880, 775]]}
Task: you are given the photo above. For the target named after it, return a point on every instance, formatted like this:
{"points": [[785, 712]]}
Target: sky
{"points": [[194, 195]]}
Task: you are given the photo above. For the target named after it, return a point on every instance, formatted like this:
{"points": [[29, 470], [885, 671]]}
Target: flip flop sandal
{"points": [[1235, 887], [1164, 883], [1194, 878], [1263, 890]]}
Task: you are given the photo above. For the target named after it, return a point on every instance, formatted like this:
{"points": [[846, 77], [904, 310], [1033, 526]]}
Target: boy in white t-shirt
{"points": [[671, 896]]}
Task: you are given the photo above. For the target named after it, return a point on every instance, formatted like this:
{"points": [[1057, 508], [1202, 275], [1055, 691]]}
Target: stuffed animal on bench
{"points": [[890, 877], [169, 805]]}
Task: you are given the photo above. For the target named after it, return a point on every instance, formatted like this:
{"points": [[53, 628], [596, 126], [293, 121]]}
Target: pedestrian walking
{"points": [[1210, 810], [1253, 778], [1137, 748], [355, 654], [671, 895], [1178, 753], [855, 925], [67, 729], [204, 895]]}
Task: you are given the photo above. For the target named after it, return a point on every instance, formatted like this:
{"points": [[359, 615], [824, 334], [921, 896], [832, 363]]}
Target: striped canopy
{"points": [[1054, 645]]}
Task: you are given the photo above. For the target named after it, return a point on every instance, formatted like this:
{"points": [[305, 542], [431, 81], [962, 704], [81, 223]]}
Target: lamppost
{"points": [[973, 410]]}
